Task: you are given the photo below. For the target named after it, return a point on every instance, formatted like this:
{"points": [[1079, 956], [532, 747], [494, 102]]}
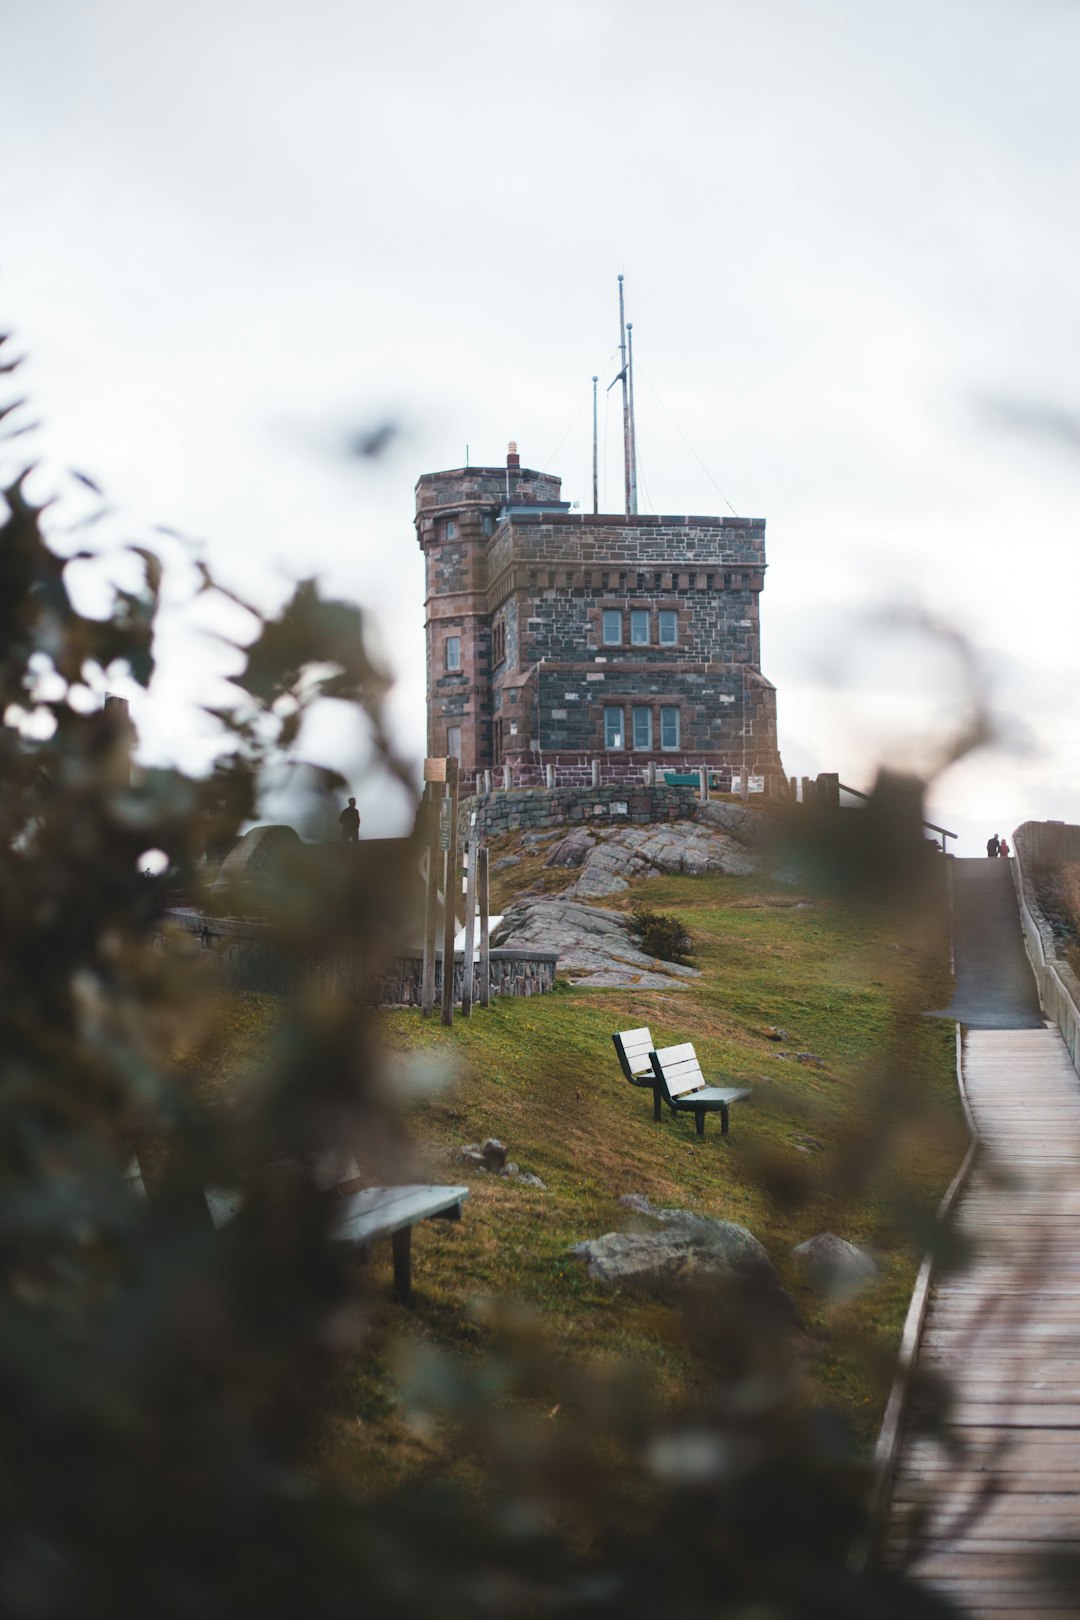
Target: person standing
{"points": [[1003, 849], [992, 846], [349, 823]]}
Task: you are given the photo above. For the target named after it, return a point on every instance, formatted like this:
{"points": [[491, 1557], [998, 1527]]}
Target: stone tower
{"points": [[557, 637]]}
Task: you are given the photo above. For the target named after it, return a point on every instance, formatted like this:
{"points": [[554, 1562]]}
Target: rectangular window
{"points": [[669, 728], [612, 627], [487, 524], [451, 529], [642, 721], [639, 627], [669, 627], [453, 652], [614, 731], [453, 742]]}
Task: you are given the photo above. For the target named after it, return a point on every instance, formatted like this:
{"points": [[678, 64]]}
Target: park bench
{"points": [[633, 1048], [682, 1085], [362, 1217]]}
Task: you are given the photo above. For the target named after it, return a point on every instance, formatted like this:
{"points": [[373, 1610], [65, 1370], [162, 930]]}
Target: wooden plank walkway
{"points": [[976, 1513]]}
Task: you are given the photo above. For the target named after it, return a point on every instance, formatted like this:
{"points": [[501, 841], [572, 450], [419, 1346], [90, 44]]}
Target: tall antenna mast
{"points": [[633, 424], [625, 400], [595, 454]]}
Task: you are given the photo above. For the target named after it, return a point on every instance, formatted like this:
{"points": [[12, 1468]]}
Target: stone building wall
{"points": [[525, 584]]}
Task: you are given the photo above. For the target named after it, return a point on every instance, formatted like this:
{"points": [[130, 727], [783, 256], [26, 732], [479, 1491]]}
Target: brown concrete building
{"points": [[556, 637]]}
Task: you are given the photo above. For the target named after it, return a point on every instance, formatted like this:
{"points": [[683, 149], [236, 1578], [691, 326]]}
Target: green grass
{"points": [[540, 1074]]}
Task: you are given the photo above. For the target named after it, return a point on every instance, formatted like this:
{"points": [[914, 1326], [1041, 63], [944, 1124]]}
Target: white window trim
{"points": [[674, 641], [641, 747], [619, 746], [452, 669], [604, 639], [635, 641], [670, 747]]}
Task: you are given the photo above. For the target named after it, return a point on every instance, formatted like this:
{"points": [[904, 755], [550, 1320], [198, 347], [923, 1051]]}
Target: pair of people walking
{"points": [[996, 846]]}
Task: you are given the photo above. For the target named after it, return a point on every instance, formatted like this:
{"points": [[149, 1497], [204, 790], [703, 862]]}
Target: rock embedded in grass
{"points": [[679, 1246], [835, 1267]]}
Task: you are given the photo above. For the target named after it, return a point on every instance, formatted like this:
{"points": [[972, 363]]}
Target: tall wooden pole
{"points": [[485, 922], [470, 922], [433, 800], [449, 888]]}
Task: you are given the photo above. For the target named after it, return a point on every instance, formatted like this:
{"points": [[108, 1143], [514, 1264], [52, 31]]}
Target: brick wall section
{"points": [[526, 590]]}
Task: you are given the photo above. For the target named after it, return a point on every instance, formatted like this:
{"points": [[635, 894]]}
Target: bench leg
{"points": [[699, 1115], [656, 1105], [725, 1117], [402, 1242]]}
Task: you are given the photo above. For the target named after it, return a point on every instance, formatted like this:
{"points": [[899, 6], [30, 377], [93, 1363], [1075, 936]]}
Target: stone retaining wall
{"points": [[536, 809], [243, 951]]}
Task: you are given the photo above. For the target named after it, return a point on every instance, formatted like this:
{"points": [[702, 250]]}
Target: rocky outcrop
{"points": [[593, 945], [636, 852]]}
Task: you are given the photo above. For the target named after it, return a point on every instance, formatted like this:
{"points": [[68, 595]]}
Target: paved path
{"points": [[1000, 1488]]}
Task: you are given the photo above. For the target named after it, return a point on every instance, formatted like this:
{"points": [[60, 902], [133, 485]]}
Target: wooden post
{"points": [[485, 924], [487, 781], [508, 780], [432, 797], [549, 775], [470, 921], [703, 779], [596, 773], [449, 888]]}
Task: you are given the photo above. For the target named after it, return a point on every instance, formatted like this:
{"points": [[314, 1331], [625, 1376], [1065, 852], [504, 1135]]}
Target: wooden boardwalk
{"points": [[978, 1514]]}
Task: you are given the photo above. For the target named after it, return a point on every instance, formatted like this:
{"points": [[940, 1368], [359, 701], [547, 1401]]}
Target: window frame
{"points": [[645, 747], [450, 531], [619, 745], [449, 667], [451, 751], [605, 639], [672, 614], [638, 614], [667, 709]]}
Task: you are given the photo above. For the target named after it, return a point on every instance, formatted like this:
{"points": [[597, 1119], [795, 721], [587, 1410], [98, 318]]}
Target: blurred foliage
{"points": [[166, 1386]]}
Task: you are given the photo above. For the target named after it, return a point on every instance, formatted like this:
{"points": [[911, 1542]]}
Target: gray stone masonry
{"points": [[613, 805], [576, 635]]}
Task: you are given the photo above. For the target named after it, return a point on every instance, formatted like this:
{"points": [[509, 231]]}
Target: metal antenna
{"points": [[633, 423], [595, 454], [625, 399]]}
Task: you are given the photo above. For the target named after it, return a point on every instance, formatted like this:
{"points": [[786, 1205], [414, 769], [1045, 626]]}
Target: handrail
{"points": [[887, 1449], [855, 792], [1055, 997]]}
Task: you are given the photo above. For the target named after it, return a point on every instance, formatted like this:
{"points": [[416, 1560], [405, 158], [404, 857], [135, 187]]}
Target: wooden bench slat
{"points": [[381, 1211]]}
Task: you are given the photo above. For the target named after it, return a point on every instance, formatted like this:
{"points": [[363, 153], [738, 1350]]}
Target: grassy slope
{"points": [[541, 1075]]}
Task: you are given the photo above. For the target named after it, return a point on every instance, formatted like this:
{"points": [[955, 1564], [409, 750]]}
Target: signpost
{"points": [[449, 888], [485, 961], [471, 864]]}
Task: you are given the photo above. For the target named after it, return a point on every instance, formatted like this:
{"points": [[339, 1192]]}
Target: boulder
{"points": [[680, 1247], [835, 1267], [749, 826]]}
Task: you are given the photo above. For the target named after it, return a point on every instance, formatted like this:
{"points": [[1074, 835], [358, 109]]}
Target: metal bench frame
{"points": [[679, 1079]]}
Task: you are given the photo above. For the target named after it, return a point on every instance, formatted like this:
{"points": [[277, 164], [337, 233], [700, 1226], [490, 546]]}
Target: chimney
{"points": [[512, 457]]}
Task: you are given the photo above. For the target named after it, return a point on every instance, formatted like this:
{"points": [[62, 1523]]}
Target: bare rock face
{"points": [[749, 826], [679, 846], [835, 1267], [593, 945], [679, 1246], [573, 850]]}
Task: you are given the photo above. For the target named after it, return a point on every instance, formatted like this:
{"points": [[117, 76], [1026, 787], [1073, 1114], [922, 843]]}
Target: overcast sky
{"points": [[233, 233]]}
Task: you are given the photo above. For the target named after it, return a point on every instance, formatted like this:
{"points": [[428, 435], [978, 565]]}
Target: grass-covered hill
{"points": [[860, 1142]]}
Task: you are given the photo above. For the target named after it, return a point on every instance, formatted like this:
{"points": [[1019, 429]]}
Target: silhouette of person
{"points": [[349, 823], [992, 846], [1003, 849]]}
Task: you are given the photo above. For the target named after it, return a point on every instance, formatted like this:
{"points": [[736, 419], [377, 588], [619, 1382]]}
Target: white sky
{"points": [[232, 233]]}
